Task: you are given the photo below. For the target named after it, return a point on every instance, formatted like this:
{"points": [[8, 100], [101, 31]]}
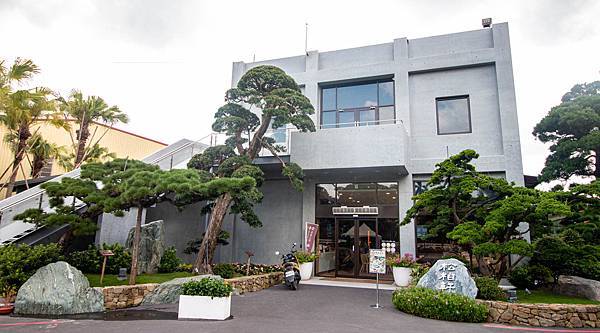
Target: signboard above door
{"points": [[364, 210]]}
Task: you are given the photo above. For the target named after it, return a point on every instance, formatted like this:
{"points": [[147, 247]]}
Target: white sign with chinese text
{"points": [[377, 261]]}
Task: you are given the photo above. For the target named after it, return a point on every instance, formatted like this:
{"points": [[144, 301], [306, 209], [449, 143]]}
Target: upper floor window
{"points": [[358, 104], [453, 115]]}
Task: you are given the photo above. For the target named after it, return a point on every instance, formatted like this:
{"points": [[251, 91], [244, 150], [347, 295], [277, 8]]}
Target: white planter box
{"points": [[203, 307], [306, 270], [402, 276]]}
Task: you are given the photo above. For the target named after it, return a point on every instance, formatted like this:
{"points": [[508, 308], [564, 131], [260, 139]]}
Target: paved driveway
{"points": [[310, 309]]}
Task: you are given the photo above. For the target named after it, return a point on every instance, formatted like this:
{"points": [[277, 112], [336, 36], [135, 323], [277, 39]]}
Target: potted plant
{"points": [[306, 261], [7, 299], [205, 299], [402, 267]]}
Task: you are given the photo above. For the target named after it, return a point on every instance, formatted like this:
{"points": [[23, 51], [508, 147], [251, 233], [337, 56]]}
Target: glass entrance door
{"points": [[355, 237], [345, 249]]}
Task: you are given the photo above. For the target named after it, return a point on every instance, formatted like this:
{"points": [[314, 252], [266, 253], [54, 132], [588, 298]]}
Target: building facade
{"points": [[385, 115]]}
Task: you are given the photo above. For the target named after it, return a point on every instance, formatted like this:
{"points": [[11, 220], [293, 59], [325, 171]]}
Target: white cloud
{"points": [[168, 62]]}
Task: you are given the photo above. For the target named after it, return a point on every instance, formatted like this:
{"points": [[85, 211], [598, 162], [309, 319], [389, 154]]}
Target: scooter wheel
{"points": [[294, 285]]}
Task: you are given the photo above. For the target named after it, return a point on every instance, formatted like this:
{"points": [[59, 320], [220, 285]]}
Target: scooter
{"points": [[291, 268]]}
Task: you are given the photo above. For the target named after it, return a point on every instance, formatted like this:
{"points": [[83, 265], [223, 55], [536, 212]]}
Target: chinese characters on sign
{"points": [[311, 235], [446, 277], [377, 261]]}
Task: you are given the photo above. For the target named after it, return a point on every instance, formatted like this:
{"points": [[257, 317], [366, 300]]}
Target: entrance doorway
{"points": [[344, 245]]}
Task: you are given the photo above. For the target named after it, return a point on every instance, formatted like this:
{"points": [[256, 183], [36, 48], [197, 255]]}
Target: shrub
{"points": [[169, 261], [206, 287], [256, 269], [87, 261], [417, 273], [521, 278], [19, 262], [120, 259], [488, 289], [396, 260], [184, 268], [226, 271], [304, 257], [428, 303], [459, 258]]}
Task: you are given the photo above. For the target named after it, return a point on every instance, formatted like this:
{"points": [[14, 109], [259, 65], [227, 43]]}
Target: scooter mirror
{"points": [[295, 243], [276, 253]]}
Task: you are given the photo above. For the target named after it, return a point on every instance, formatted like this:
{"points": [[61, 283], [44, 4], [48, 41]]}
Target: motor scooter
{"points": [[291, 268]]}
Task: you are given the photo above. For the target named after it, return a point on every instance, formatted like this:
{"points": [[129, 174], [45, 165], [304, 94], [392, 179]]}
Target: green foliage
{"points": [[482, 214], [87, 261], [521, 278], [572, 129], [256, 269], [488, 289], [428, 303], [19, 262], [305, 257], [169, 261], [206, 287], [417, 273], [224, 270], [120, 259], [184, 268]]}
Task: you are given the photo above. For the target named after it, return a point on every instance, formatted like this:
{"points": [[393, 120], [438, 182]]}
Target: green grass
{"points": [[111, 280], [541, 296]]}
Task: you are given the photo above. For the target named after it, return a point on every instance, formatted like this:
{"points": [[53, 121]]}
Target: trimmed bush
{"points": [[520, 277], [428, 303], [19, 262], [304, 257], [169, 261], [488, 289], [120, 259], [226, 271], [184, 268], [256, 269], [206, 287], [87, 261]]}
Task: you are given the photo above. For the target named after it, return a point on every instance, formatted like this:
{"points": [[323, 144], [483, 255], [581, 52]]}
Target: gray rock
{"points": [[449, 275], [578, 287], [168, 292], [152, 246], [58, 289]]}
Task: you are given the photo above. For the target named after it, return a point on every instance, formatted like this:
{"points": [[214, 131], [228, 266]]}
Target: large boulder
{"points": [[449, 275], [578, 287], [58, 289], [152, 246], [168, 292]]}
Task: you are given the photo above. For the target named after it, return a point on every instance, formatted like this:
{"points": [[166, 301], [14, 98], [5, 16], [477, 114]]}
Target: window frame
{"points": [[449, 98], [357, 109]]}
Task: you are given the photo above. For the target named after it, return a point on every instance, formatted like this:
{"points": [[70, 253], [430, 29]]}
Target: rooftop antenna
{"points": [[306, 38]]}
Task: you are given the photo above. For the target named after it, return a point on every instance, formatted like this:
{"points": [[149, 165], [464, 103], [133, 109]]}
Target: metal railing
{"points": [[361, 123]]}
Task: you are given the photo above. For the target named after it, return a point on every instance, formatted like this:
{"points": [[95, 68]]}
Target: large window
{"points": [[382, 195], [361, 104], [453, 115]]}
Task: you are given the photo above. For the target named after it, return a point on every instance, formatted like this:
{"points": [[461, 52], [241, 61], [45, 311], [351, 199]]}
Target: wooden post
{"points": [[103, 267]]}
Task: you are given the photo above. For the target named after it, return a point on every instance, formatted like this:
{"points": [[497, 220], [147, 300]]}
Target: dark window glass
{"points": [[326, 194], [386, 93], [387, 193], [359, 96], [328, 99], [329, 119], [346, 119], [357, 194], [367, 117], [453, 115]]}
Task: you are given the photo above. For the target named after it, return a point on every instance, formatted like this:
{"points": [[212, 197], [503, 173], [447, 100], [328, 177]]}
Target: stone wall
{"points": [[544, 315], [120, 297], [255, 282]]}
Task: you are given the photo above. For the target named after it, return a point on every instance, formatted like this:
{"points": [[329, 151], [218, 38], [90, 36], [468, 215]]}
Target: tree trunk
{"points": [[135, 247], [24, 135], [597, 164], [84, 133], [209, 242], [37, 165]]}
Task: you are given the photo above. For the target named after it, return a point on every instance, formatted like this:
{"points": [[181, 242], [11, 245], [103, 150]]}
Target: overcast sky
{"points": [[167, 63]]}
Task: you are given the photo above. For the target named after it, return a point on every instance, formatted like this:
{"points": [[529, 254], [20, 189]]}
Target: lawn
{"points": [[111, 280], [541, 296]]}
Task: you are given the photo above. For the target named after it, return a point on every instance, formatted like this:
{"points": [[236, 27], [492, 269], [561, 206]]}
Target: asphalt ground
{"points": [[309, 309]]}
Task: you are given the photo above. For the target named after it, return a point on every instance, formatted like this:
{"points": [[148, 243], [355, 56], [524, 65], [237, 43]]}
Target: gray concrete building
{"points": [[385, 115]]}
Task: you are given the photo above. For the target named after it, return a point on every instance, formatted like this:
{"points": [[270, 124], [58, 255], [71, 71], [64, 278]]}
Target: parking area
{"points": [[309, 309]]}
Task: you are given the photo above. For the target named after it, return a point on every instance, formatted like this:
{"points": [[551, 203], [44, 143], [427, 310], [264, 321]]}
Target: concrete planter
{"points": [[204, 307], [402, 276], [306, 270]]}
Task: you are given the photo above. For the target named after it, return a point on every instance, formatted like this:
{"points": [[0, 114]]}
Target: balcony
{"points": [[359, 145]]}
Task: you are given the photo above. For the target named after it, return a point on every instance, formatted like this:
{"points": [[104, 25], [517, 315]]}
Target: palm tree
{"points": [[20, 109], [42, 152], [87, 110]]}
